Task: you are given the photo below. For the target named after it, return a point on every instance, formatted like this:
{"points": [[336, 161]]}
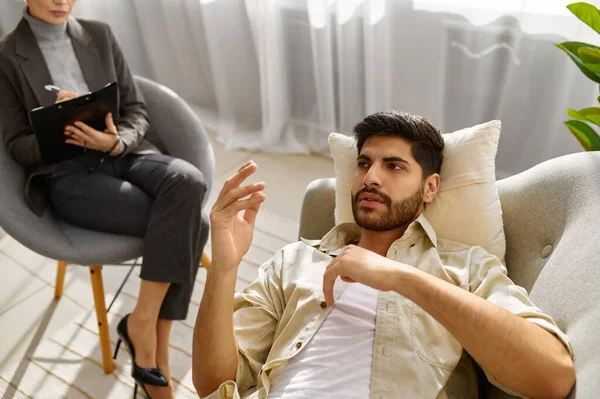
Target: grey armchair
{"points": [[176, 129], [552, 224]]}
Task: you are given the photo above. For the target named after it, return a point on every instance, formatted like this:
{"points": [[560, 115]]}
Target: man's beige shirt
{"points": [[414, 356]]}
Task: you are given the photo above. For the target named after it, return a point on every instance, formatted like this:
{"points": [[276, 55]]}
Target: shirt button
{"points": [[298, 345], [323, 304]]}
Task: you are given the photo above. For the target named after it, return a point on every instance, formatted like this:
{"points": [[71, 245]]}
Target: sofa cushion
{"points": [[467, 208]]}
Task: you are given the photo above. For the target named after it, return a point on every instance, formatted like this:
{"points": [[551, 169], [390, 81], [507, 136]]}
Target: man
{"points": [[405, 306]]}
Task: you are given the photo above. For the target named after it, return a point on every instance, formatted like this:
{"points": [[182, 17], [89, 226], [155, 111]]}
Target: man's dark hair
{"points": [[427, 142]]}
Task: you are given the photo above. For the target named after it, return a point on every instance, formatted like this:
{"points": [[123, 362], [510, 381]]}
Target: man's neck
{"points": [[380, 241]]}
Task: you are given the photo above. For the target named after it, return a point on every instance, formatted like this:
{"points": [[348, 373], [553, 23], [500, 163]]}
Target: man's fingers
{"points": [[237, 178], [244, 165], [332, 263], [242, 205], [328, 282], [252, 211], [227, 198], [242, 173], [237, 194]]}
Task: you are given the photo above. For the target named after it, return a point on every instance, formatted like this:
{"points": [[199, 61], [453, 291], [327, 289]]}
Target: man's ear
{"points": [[432, 186]]}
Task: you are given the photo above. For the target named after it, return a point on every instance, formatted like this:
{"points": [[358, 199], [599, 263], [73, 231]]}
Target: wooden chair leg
{"points": [[98, 288], [60, 279], [205, 260]]}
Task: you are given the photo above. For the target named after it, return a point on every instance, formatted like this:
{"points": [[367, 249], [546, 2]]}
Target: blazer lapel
{"points": [[34, 66], [88, 55]]}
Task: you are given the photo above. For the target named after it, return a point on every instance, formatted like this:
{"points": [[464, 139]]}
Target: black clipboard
{"points": [[49, 122]]}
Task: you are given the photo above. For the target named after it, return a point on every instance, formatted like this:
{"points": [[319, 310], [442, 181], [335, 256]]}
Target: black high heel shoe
{"points": [[142, 376]]}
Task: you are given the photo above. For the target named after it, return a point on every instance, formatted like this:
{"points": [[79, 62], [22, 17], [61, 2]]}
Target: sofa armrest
{"points": [[318, 207]]}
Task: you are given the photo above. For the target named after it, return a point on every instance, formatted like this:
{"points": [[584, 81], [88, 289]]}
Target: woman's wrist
{"points": [[116, 147]]}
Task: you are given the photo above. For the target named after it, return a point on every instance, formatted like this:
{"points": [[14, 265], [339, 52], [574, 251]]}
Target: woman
{"points": [[123, 184]]}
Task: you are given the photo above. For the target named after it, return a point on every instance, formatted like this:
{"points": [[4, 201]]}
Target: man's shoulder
{"points": [[303, 246], [300, 255], [448, 247]]}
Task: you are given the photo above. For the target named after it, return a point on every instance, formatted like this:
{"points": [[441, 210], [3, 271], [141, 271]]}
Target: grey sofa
{"points": [[551, 218]]}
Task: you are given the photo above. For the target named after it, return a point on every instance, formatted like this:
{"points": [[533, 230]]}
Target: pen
{"points": [[52, 88]]}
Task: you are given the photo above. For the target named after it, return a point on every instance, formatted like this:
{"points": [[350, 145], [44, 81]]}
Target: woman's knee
{"points": [[195, 185], [189, 179]]}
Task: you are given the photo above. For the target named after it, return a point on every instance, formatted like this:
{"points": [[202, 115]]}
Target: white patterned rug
{"points": [[69, 364]]}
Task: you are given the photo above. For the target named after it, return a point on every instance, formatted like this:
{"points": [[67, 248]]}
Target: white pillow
{"points": [[466, 208]]}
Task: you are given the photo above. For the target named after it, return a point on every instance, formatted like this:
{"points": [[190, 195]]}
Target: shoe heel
{"points": [[146, 391], [135, 389], [117, 348]]}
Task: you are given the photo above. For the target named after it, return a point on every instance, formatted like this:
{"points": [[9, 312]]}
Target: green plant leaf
{"points": [[590, 114], [572, 50], [590, 58], [576, 115], [589, 54], [592, 67], [587, 137], [587, 13]]}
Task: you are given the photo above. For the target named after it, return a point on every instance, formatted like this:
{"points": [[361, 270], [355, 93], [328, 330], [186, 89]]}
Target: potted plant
{"points": [[587, 58]]}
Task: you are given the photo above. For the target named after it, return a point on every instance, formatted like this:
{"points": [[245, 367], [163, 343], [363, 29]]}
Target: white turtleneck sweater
{"points": [[57, 49]]}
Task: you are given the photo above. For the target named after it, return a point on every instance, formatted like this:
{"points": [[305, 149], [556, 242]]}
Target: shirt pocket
{"points": [[432, 342]]}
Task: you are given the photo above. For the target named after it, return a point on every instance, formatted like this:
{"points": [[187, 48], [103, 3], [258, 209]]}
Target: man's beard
{"points": [[397, 215]]}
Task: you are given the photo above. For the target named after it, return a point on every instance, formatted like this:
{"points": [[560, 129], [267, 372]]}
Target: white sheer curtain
{"points": [[279, 75]]}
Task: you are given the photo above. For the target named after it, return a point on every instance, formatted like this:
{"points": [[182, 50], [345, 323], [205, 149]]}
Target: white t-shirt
{"points": [[336, 363]]}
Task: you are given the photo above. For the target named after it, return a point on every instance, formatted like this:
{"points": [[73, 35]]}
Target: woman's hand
{"points": [[85, 136], [64, 95]]}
